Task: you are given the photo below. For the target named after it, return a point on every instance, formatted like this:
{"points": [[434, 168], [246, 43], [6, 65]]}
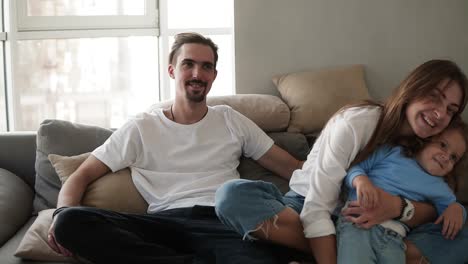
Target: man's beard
{"points": [[196, 97]]}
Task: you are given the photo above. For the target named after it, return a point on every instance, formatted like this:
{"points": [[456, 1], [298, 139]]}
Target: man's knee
{"points": [[67, 224], [229, 196]]}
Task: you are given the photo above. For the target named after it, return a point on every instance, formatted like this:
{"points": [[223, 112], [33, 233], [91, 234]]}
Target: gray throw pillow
{"points": [[15, 204], [294, 143], [66, 139]]}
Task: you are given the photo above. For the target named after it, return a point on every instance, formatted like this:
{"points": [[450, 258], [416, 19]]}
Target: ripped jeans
{"points": [[243, 205]]}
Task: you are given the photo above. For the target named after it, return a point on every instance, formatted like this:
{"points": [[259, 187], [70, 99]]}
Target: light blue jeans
{"points": [[374, 245], [243, 205], [438, 250]]}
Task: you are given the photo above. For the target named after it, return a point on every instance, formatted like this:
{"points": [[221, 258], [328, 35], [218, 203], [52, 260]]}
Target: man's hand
{"points": [[452, 219], [389, 208], [53, 243], [367, 193]]}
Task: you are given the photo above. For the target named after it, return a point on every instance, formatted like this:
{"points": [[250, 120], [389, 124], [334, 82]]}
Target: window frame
{"points": [[75, 27], [45, 23]]}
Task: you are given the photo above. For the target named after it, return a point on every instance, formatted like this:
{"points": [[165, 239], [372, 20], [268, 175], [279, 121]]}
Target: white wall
{"points": [[390, 37]]}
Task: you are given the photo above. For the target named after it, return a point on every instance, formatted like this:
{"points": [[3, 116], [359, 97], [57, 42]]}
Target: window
{"points": [[214, 19], [3, 102], [98, 61]]}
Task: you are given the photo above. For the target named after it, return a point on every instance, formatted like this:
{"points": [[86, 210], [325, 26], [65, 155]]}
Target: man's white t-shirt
{"points": [[175, 165]]}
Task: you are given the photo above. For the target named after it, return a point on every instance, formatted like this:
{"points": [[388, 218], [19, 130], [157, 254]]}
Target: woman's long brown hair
{"points": [[417, 85]]}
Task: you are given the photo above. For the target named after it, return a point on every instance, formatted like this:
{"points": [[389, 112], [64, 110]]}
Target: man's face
{"points": [[193, 71], [440, 155]]}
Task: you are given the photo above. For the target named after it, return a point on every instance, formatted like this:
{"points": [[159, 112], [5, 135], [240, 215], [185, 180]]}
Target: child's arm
{"points": [[367, 193], [453, 219]]}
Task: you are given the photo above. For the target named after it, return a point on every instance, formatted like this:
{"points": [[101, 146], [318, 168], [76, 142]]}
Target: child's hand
{"points": [[453, 220], [367, 194]]}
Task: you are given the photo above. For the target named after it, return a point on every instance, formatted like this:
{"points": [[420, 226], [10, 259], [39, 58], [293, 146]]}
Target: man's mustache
{"points": [[196, 82]]}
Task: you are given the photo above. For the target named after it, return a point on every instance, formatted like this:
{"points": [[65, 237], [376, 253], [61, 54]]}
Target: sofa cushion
{"points": [[34, 243], [294, 143], [62, 138], [102, 192], [20, 155], [15, 204], [314, 96], [269, 112]]}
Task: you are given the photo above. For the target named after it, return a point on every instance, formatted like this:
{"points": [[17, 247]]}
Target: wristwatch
{"points": [[407, 210]]}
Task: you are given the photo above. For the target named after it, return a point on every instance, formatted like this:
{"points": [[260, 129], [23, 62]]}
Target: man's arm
{"points": [[72, 192], [280, 162], [73, 189]]}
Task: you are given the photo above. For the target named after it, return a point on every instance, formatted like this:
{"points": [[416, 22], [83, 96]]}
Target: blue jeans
{"points": [[374, 245], [429, 240], [242, 204]]}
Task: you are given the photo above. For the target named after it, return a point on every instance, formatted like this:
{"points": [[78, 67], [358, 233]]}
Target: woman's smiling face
{"points": [[430, 115]]}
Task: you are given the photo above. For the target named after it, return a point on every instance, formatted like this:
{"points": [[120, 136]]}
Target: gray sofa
{"points": [[29, 184]]}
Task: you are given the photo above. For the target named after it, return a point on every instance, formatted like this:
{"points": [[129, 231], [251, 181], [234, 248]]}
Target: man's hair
{"points": [[189, 38]]}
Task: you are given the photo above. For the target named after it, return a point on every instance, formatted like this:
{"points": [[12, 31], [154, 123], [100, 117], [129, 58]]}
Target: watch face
{"points": [[409, 213]]}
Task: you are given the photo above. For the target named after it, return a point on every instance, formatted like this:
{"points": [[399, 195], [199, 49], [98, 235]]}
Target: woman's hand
{"points": [[367, 193], [452, 219], [388, 208]]}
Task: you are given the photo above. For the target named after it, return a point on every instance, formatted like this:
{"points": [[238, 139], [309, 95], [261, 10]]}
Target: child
{"points": [[418, 177]]}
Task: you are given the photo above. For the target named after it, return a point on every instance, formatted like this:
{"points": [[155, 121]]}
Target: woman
{"points": [[422, 106]]}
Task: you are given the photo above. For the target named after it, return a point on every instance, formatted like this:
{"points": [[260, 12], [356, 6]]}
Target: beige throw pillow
{"points": [[314, 96], [113, 191], [34, 243]]}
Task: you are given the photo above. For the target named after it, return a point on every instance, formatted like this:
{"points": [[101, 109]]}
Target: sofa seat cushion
{"points": [[7, 251], [15, 204], [62, 138]]}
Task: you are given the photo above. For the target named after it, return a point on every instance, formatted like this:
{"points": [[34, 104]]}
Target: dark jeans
{"points": [[185, 235]]}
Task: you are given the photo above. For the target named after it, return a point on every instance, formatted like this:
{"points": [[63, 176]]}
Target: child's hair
{"points": [[452, 178], [413, 146]]}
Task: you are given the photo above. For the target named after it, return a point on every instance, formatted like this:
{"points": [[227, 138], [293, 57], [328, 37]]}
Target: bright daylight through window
{"points": [[99, 62]]}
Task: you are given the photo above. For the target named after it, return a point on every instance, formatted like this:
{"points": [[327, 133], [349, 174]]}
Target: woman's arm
{"points": [[390, 208], [334, 150]]}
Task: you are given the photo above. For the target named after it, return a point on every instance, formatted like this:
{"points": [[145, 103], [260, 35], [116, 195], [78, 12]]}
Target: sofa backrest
{"points": [[269, 112], [18, 154]]}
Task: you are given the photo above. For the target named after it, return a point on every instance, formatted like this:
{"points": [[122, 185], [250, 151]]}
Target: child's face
{"points": [[440, 155]]}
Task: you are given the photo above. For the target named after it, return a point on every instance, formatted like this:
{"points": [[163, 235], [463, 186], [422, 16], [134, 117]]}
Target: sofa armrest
{"points": [[15, 204]]}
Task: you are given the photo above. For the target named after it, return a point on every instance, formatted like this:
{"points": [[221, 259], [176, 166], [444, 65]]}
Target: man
{"points": [[178, 157]]}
